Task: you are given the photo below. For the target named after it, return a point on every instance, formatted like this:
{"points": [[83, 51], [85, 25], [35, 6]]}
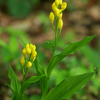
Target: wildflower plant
{"points": [[68, 86]]}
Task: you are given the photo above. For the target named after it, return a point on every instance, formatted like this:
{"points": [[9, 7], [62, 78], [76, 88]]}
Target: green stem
{"points": [[53, 50], [25, 75], [23, 70], [59, 34], [52, 26]]}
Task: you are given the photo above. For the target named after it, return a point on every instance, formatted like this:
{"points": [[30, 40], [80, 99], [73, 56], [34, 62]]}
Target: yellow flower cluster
{"points": [[30, 51], [58, 6]]}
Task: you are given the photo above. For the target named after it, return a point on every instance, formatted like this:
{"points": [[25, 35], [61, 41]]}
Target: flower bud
{"points": [[24, 52], [60, 15], [57, 2], [53, 6], [57, 11], [29, 64], [60, 2], [22, 61], [27, 45], [28, 51], [51, 17], [33, 47], [34, 53], [60, 24], [64, 5], [33, 58]]}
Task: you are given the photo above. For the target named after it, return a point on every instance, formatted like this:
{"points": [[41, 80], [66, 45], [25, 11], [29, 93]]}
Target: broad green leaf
{"points": [[15, 84], [43, 81], [38, 67], [69, 49], [8, 85], [24, 98], [29, 81], [35, 97], [22, 43], [68, 87], [19, 98], [44, 86], [15, 97]]}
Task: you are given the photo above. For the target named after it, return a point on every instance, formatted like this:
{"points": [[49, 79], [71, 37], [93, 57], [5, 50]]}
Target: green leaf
{"points": [[35, 97], [43, 81], [29, 81], [24, 98], [51, 43], [15, 84], [44, 86], [38, 67], [19, 98], [68, 87], [8, 85], [15, 97], [69, 49], [22, 43]]}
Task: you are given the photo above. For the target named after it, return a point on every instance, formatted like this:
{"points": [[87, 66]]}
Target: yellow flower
{"points": [[27, 45], [64, 5], [34, 53], [57, 11], [33, 58], [28, 50], [57, 2], [53, 6], [24, 52], [60, 23], [60, 15], [22, 61], [51, 17], [60, 2], [33, 47], [29, 64]]}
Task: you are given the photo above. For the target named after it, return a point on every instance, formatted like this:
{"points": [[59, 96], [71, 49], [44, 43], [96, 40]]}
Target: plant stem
{"points": [[25, 75], [23, 70], [59, 33], [53, 27], [53, 50]]}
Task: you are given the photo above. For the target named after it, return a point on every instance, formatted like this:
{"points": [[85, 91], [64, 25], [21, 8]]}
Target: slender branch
{"points": [[23, 70], [53, 50], [59, 33], [53, 27], [25, 75]]}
